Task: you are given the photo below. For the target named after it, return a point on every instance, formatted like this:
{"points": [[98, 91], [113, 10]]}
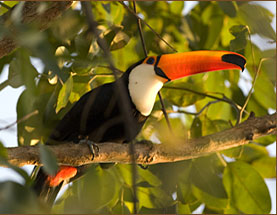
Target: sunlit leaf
{"points": [[266, 166], [176, 7], [149, 177], [9, 4], [247, 153], [64, 94], [153, 197], [266, 140], [247, 188], [183, 208], [3, 151]]}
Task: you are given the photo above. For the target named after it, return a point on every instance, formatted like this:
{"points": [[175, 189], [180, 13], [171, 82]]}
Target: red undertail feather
{"points": [[65, 172]]}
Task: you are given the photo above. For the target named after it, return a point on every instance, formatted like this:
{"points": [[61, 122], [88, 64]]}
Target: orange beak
{"points": [[174, 66]]}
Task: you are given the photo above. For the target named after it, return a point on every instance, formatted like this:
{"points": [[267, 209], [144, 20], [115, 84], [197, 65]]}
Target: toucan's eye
{"points": [[150, 60]]}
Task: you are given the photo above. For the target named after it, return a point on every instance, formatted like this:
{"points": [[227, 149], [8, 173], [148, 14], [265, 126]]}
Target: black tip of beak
{"points": [[234, 59]]}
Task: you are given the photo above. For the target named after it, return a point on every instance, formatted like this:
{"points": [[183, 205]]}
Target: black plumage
{"points": [[98, 117]]}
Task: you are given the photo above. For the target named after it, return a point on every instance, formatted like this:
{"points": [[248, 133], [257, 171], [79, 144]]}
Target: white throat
{"points": [[144, 85]]}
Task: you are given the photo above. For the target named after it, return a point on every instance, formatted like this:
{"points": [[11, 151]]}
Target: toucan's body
{"points": [[98, 116]]}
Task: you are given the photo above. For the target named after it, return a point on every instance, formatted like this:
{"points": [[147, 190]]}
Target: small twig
{"points": [[145, 53], [5, 6], [140, 31], [108, 67], [220, 157], [197, 113], [20, 120], [224, 99], [157, 34], [251, 46], [252, 87], [165, 113]]}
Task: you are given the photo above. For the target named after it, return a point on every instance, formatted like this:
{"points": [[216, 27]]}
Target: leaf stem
{"points": [[252, 87], [20, 120], [157, 34]]}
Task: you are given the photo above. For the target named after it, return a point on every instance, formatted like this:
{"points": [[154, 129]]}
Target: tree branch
{"points": [[30, 14], [79, 154]]}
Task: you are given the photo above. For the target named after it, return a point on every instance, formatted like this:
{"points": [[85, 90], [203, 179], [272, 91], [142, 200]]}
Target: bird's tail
{"points": [[47, 187]]}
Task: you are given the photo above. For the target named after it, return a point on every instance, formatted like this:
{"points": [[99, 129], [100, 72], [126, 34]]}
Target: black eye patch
{"points": [[150, 60]]}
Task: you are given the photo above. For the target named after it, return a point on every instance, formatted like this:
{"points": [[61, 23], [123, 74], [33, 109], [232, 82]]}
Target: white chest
{"points": [[144, 85]]}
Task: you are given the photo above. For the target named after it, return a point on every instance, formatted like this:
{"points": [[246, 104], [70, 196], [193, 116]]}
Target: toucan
{"points": [[97, 116]]}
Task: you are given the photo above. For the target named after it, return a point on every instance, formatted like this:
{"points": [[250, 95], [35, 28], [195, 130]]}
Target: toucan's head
{"points": [[147, 77], [175, 66]]}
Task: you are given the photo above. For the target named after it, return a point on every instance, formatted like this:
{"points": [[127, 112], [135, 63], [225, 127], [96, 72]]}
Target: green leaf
{"points": [[184, 191], [247, 153], [68, 25], [182, 98], [9, 4], [212, 126], [207, 185], [183, 208], [121, 39], [48, 160], [14, 78], [148, 176], [266, 140], [184, 187], [17, 199], [153, 197], [21, 71], [3, 151], [258, 19], [269, 66], [215, 27], [64, 94], [96, 181], [246, 188], [228, 7], [264, 86], [266, 166], [176, 7], [226, 36], [79, 88], [196, 128], [117, 13], [110, 34], [240, 32], [208, 199]]}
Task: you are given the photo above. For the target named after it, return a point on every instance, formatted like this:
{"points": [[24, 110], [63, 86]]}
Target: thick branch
{"points": [[79, 154], [30, 14]]}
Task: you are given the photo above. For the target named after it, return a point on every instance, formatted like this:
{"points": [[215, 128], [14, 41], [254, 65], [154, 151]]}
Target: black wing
{"points": [[98, 117]]}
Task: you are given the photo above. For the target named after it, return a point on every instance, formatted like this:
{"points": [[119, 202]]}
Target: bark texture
{"points": [[30, 14], [148, 153]]}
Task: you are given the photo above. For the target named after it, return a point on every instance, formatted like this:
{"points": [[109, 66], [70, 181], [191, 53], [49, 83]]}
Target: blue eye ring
{"points": [[150, 60]]}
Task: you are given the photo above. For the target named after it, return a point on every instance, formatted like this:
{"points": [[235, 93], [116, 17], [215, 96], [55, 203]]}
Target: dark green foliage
{"points": [[74, 64]]}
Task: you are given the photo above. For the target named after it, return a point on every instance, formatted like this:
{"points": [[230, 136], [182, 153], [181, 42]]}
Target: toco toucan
{"points": [[98, 116]]}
